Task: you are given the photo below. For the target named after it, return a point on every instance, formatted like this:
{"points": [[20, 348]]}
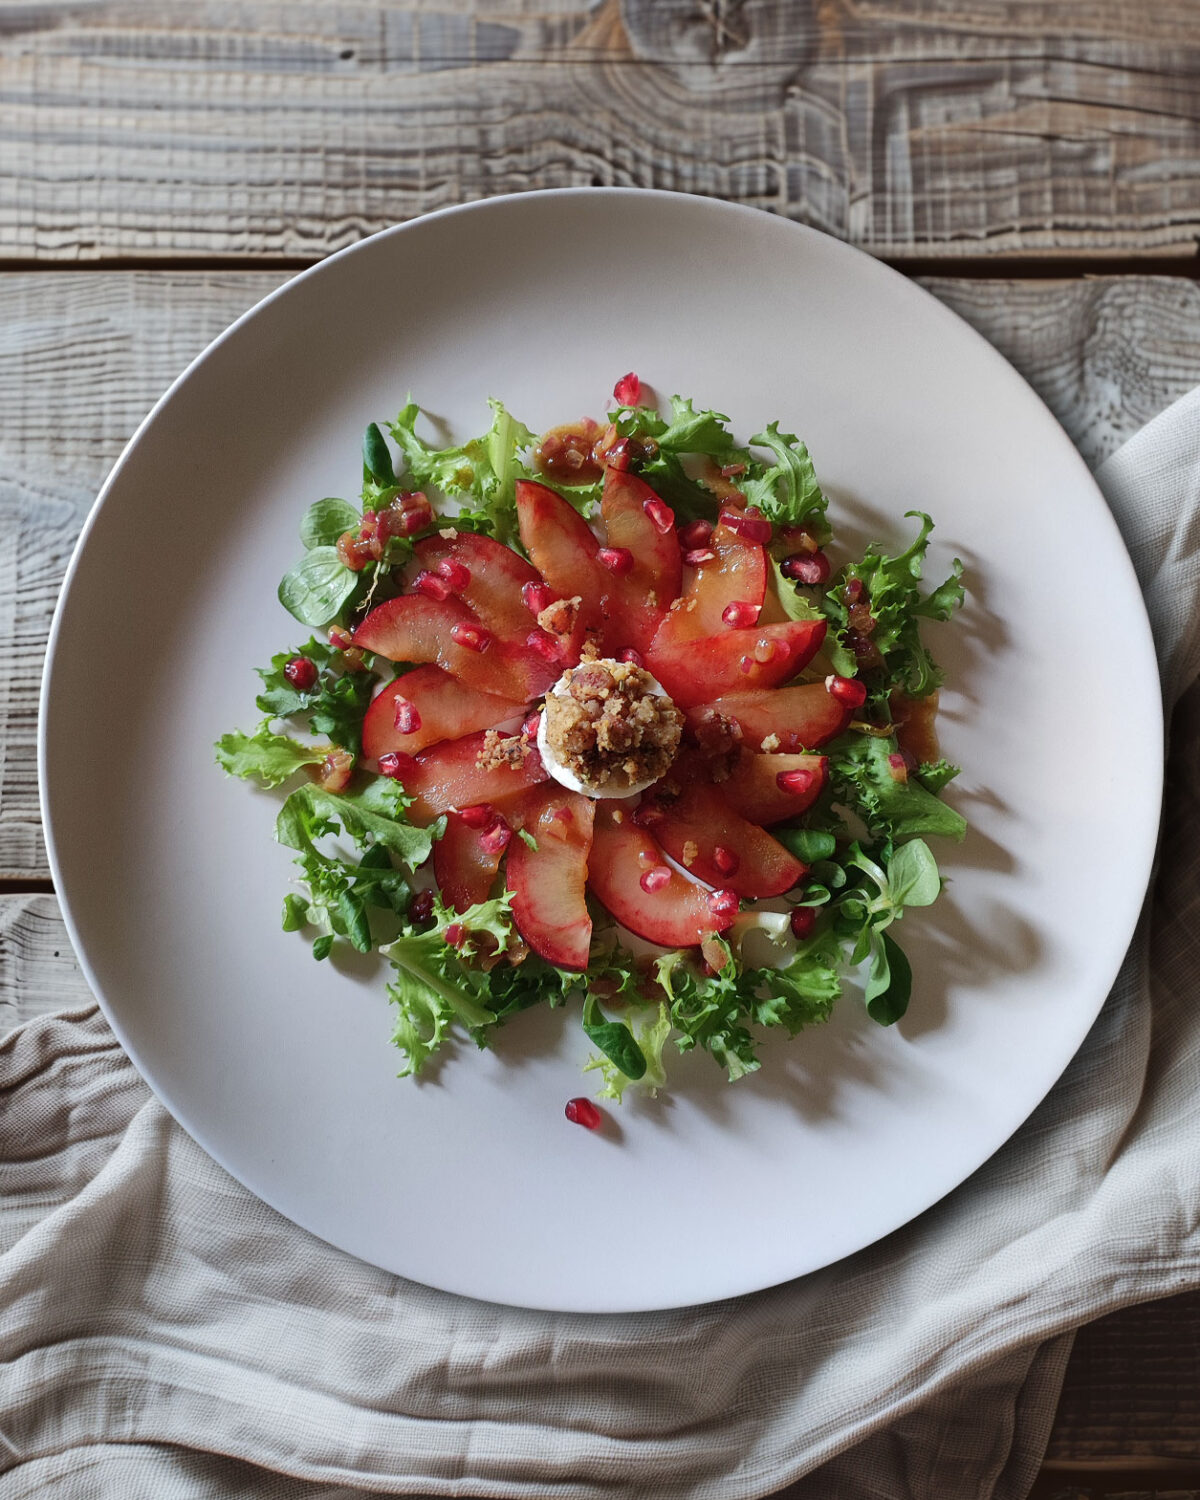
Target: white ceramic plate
{"points": [[282, 1068]]}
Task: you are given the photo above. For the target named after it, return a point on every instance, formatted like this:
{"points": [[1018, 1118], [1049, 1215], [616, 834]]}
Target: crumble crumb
{"points": [[609, 728], [447, 533], [498, 750], [558, 619], [771, 743], [691, 852]]}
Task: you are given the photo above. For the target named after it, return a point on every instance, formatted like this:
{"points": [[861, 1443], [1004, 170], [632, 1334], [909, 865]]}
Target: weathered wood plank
{"points": [[38, 969], [136, 129], [87, 353]]}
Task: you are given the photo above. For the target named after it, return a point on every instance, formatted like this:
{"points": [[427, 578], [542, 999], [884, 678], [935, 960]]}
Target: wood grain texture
{"points": [[86, 354], [38, 969], [911, 127]]}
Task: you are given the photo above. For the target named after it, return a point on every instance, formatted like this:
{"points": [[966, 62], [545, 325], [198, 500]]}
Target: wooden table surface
{"points": [[163, 165]]}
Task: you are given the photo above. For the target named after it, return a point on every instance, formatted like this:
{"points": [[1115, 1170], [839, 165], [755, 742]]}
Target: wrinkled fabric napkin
{"points": [[165, 1335]]}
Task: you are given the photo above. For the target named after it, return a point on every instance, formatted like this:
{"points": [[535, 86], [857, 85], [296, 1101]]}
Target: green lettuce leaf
{"points": [[268, 758], [861, 779]]}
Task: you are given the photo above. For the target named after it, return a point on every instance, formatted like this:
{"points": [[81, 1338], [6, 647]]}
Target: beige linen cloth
{"points": [[165, 1335]]}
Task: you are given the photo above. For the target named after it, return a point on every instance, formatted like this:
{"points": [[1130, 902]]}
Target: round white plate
{"points": [[473, 1181]]}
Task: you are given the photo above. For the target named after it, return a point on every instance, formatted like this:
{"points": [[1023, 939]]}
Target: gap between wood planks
{"points": [[972, 268]]}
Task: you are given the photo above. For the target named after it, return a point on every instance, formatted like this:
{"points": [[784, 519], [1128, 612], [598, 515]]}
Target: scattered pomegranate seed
{"points": [[726, 861], [473, 637], [336, 770], [456, 574], [765, 650], [724, 906], [853, 590], [628, 390], [396, 765], [808, 568], [456, 934], [583, 1111], [545, 645], [479, 815], [620, 456], [433, 586], [747, 664], [662, 515], [616, 559], [408, 718], [634, 658], [740, 614], [301, 672], [695, 534], [536, 597], [655, 879], [496, 837], [699, 557], [797, 783], [803, 920], [751, 525], [897, 768], [420, 908], [847, 690], [531, 726], [340, 637]]}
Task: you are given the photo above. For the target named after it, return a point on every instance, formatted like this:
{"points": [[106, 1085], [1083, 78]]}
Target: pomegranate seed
{"points": [[797, 783], [897, 768], [750, 525], [847, 690], [662, 515], [496, 837], [336, 770], [655, 879], [340, 637], [408, 718], [803, 920], [472, 637], [545, 645], [370, 524], [536, 597], [413, 519], [699, 557], [301, 672], [809, 568], [724, 906], [616, 559], [628, 390], [456, 934], [634, 658], [531, 726], [433, 586], [620, 455], [695, 534], [765, 650], [747, 664], [420, 908], [456, 574], [583, 1112], [726, 861], [396, 765], [740, 614], [853, 590], [479, 815]]}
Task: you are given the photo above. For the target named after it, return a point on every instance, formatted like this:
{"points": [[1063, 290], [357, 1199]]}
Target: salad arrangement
{"points": [[603, 718]]}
